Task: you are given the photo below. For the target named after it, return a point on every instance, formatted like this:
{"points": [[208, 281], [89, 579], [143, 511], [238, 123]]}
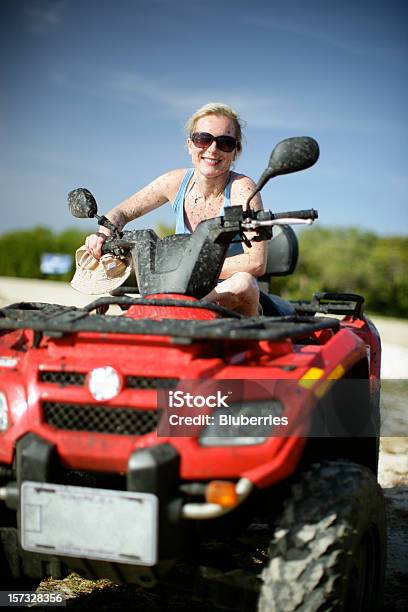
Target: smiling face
{"points": [[212, 162]]}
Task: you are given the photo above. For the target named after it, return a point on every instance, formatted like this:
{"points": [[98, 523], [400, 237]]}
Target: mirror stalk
{"points": [[264, 178], [104, 221]]}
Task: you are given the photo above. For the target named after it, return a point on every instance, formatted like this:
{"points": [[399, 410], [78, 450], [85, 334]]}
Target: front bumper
{"points": [[154, 470]]}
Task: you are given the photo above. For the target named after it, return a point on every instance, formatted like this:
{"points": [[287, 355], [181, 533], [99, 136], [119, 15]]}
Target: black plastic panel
{"points": [[101, 419]]}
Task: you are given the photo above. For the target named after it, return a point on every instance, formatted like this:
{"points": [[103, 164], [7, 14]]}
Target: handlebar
{"points": [[257, 221], [309, 213], [268, 219], [117, 246]]}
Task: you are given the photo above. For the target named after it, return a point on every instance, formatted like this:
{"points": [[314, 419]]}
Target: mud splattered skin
{"points": [[204, 200]]}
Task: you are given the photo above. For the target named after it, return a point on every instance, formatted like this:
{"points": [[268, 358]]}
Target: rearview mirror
{"points": [[82, 204], [289, 155], [292, 155]]}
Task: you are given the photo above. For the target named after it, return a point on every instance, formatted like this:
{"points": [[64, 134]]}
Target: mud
{"points": [[393, 474]]}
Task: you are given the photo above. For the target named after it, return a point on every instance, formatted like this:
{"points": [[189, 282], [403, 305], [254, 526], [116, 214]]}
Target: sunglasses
{"points": [[202, 140]]}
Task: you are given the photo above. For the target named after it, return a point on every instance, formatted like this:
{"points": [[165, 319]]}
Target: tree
{"points": [[343, 260], [21, 251], [351, 260]]}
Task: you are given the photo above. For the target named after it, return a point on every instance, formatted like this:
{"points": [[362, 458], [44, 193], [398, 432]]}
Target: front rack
{"points": [[57, 321]]}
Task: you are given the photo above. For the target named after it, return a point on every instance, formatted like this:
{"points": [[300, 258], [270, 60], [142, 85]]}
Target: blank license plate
{"points": [[101, 524]]}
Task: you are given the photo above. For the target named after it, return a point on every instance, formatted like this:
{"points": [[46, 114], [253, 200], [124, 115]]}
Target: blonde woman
{"points": [[214, 141]]}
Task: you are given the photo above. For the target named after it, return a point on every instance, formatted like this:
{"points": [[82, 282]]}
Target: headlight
{"points": [[4, 422], [8, 362], [104, 383], [243, 424]]}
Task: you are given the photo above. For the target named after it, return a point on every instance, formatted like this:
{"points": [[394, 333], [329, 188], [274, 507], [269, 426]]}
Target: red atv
{"points": [[181, 434]]}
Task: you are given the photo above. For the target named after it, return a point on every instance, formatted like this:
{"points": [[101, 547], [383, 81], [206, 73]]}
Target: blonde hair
{"points": [[217, 108]]}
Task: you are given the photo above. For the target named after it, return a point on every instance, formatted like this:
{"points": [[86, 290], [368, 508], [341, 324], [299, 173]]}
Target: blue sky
{"points": [[95, 93]]}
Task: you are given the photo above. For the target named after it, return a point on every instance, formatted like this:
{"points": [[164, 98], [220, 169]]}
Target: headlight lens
{"points": [[104, 383], [244, 424], [8, 362], [4, 422]]}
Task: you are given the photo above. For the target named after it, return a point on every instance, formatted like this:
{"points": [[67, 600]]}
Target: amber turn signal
{"points": [[221, 492]]}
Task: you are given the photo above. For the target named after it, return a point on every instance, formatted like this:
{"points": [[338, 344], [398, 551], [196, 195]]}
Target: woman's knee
{"points": [[245, 284]]}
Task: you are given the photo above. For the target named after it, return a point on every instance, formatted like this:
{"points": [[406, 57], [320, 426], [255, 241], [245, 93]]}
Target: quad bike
{"points": [[264, 485]]}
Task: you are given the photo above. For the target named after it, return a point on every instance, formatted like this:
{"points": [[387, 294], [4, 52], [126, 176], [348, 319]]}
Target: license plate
{"points": [[100, 524]]}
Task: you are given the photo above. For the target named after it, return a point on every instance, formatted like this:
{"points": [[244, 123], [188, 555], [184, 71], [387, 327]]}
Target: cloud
{"points": [[261, 111], [169, 98], [43, 16], [258, 110]]}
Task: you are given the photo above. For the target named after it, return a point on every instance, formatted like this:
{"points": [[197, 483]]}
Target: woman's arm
{"points": [[161, 190], [253, 259]]}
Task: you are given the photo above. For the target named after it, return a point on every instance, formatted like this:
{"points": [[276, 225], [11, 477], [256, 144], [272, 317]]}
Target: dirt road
{"points": [[393, 475]]}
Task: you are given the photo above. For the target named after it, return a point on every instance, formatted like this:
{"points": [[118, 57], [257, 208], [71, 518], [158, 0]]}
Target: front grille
{"points": [[101, 419], [141, 382], [64, 378]]}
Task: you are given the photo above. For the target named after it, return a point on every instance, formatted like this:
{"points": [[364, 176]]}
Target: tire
{"points": [[6, 578], [12, 570], [328, 548]]}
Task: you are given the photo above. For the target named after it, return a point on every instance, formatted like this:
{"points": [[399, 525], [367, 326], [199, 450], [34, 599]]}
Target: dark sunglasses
{"points": [[203, 140]]}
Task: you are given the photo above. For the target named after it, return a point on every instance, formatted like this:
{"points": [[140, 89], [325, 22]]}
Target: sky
{"points": [[95, 93]]}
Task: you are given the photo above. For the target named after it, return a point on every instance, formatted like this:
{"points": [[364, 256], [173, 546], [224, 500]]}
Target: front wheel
{"points": [[328, 548]]}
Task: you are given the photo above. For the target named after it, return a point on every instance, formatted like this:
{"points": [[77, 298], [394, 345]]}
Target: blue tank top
{"points": [[178, 209]]}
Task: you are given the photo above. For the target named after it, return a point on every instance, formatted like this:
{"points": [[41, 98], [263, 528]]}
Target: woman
{"points": [[214, 142]]}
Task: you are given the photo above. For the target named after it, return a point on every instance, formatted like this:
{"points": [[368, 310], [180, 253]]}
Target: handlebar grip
{"points": [[309, 213], [107, 246], [116, 246]]}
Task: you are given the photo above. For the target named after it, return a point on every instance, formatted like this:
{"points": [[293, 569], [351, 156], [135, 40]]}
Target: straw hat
{"points": [[94, 276]]}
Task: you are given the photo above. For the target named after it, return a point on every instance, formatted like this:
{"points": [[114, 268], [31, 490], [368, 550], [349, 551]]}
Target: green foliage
{"points": [[20, 252], [163, 230], [351, 260]]}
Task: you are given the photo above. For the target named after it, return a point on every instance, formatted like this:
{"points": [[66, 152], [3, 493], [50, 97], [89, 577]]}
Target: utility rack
{"points": [[350, 304], [56, 321]]}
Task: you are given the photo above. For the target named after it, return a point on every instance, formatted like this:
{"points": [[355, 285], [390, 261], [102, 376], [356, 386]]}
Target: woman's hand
{"points": [[94, 243], [159, 191]]}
